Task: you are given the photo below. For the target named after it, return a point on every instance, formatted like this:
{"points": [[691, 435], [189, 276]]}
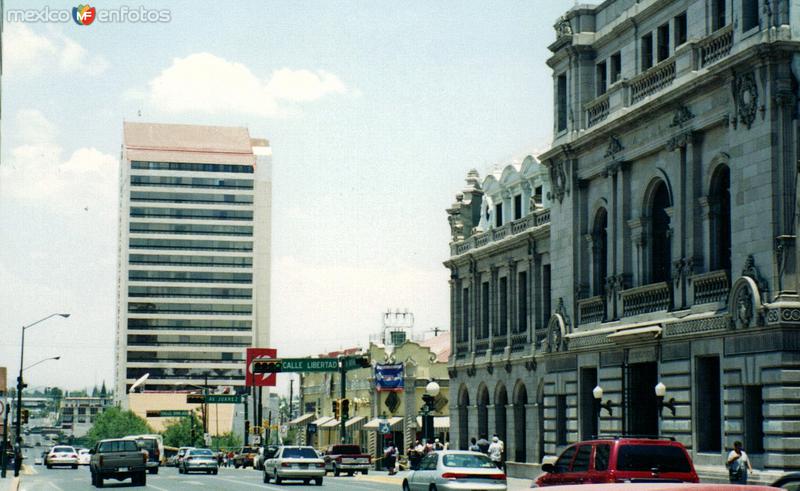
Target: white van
{"points": [[154, 444]]}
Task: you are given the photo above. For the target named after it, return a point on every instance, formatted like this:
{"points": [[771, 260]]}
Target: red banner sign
{"points": [[260, 379]]}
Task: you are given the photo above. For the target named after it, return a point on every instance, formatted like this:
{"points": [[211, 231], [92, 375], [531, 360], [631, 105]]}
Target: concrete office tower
{"points": [[194, 255]]}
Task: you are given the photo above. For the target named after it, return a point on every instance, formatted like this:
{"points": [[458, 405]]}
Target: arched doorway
{"points": [[463, 418], [660, 251], [500, 403], [483, 411], [520, 423]]}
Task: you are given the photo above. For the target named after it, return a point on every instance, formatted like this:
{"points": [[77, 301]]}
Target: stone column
{"points": [[511, 291], [473, 421], [490, 421], [511, 433], [531, 422]]}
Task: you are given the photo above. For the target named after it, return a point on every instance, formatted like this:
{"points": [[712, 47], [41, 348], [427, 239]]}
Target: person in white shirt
{"points": [[496, 452], [738, 464]]}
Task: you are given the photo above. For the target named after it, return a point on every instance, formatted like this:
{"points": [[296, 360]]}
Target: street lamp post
{"points": [[20, 386], [431, 391]]}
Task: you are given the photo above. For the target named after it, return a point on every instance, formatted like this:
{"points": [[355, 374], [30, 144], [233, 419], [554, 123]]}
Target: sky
{"points": [[375, 112]]}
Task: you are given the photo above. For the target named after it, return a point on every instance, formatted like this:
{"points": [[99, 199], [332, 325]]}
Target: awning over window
{"points": [[333, 423], [356, 423], [439, 423], [321, 421], [301, 420], [636, 334], [393, 423]]}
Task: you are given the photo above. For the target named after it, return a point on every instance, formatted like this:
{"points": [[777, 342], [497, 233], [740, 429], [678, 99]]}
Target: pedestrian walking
{"points": [[390, 456], [496, 452], [483, 444], [473, 447], [738, 464], [437, 445]]}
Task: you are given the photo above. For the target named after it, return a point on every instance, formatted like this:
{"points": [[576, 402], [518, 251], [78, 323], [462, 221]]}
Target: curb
{"points": [[14, 485], [380, 479]]}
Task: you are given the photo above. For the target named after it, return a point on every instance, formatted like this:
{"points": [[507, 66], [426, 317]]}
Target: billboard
{"points": [[389, 378], [259, 379]]}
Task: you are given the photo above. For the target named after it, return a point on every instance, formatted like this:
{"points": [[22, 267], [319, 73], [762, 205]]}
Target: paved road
{"points": [[168, 479], [228, 479]]}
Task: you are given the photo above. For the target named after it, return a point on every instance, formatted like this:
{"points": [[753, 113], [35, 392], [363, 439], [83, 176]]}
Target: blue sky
{"points": [[375, 112]]}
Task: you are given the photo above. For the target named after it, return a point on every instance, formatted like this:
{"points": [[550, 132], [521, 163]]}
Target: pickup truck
{"points": [[346, 458], [118, 459], [245, 457]]}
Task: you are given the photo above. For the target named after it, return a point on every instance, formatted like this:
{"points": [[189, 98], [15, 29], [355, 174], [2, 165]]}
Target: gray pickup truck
{"points": [[118, 459]]}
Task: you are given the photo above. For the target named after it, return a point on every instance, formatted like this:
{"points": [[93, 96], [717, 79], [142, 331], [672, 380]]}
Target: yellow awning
{"points": [[333, 423], [374, 423], [439, 422], [321, 421], [356, 423]]}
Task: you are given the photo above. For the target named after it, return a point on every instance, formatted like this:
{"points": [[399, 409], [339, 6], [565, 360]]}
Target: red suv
{"points": [[620, 460]]}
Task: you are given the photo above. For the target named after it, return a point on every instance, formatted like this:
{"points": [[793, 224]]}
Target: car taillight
{"points": [[73, 456], [321, 464], [285, 464], [461, 475], [189, 458]]}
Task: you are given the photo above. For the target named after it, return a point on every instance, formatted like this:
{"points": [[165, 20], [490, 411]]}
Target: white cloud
{"points": [[26, 52], [203, 82], [36, 171]]}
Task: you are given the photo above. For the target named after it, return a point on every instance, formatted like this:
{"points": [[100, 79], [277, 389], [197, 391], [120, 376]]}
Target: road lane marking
{"points": [[156, 487], [258, 485], [51, 483]]}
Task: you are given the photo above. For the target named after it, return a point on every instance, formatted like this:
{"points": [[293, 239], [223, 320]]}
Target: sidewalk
{"points": [[397, 479], [10, 483]]}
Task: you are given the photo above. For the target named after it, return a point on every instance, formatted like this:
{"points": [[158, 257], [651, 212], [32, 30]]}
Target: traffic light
{"points": [[195, 398], [335, 407], [345, 408], [25, 415], [267, 366], [363, 361]]}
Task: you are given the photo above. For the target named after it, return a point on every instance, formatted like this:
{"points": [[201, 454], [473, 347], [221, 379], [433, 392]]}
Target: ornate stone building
{"points": [[671, 238]]}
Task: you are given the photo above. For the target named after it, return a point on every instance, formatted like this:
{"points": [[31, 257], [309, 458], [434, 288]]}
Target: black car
{"points": [[789, 481]]}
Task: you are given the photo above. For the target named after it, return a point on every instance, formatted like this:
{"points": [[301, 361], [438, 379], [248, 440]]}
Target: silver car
{"points": [[199, 460], [298, 463], [455, 470]]}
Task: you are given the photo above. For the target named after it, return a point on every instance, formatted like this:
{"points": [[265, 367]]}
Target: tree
{"points": [[103, 391], [227, 441], [184, 432], [116, 423]]}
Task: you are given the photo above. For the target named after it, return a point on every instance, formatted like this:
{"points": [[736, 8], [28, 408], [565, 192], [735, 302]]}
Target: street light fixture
{"points": [[41, 361], [661, 391], [20, 386], [431, 391], [597, 393]]}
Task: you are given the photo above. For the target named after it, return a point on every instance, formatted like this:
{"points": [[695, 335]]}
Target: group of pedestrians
{"points": [[495, 450]]}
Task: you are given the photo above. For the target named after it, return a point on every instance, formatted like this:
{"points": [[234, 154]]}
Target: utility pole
{"points": [[343, 394], [291, 388], [4, 456], [205, 407]]}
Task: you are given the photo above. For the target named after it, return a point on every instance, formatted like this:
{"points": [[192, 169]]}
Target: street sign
{"points": [[256, 439], [264, 379], [195, 398], [297, 365], [223, 399], [353, 362], [168, 413], [311, 428], [384, 428]]}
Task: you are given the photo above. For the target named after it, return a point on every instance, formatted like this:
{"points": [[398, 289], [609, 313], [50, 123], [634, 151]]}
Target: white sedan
{"points": [[453, 469], [84, 457], [297, 463], [62, 455]]}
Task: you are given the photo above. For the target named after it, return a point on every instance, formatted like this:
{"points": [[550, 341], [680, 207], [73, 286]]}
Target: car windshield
{"points": [[147, 443], [119, 446], [63, 450], [247, 450], [664, 458], [201, 451], [299, 453], [468, 460]]}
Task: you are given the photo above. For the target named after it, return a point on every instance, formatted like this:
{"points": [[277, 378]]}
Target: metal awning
{"points": [[301, 420], [333, 423], [322, 420], [374, 423], [356, 423], [439, 422], [636, 334]]}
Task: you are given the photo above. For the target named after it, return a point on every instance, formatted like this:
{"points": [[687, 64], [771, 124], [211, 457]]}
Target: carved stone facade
{"points": [[684, 191]]}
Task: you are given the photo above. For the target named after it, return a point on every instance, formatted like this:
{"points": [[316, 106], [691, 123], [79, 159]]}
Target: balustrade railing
{"points": [[653, 80], [518, 341], [716, 46], [711, 287], [499, 344], [536, 219], [597, 110], [644, 299], [462, 349], [481, 346], [591, 310]]}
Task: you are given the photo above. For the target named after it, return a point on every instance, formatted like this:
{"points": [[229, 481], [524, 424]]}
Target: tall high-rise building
{"points": [[194, 255]]}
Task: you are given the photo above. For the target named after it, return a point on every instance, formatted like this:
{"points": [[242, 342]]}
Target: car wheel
{"points": [[336, 471], [351, 473], [98, 481], [365, 472], [432, 487], [318, 481], [180, 470], [49, 466], [142, 481], [266, 476], [94, 480], [306, 481], [406, 486], [74, 466], [236, 465], [215, 471], [153, 470], [278, 479]]}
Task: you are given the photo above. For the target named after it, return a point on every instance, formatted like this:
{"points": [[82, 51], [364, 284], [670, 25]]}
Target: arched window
{"points": [[463, 418], [720, 201], [483, 412], [600, 251], [659, 237]]}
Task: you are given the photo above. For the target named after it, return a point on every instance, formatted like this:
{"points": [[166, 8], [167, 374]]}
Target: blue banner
{"points": [[389, 378]]}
